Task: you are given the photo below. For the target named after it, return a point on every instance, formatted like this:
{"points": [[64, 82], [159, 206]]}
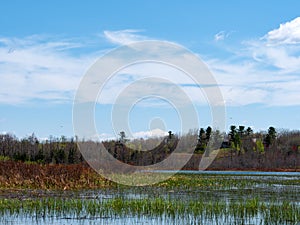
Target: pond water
{"points": [[270, 189], [133, 221], [245, 173]]}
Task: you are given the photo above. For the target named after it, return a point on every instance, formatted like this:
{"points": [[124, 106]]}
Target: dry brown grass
{"points": [[57, 176]]}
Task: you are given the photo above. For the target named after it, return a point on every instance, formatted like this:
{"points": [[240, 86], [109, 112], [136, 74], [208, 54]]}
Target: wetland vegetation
{"points": [[44, 182], [200, 198]]}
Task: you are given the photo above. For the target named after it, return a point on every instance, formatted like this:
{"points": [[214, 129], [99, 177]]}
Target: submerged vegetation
{"points": [[35, 192], [182, 199], [190, 212], [49, 180]]}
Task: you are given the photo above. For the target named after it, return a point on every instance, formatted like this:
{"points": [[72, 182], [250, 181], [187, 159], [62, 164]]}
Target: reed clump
{"points": [[251, 210], [46, 176]]}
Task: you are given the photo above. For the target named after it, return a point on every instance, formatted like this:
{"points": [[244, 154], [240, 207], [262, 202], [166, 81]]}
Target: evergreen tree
{"points": [[208, 133], [270, 137], [249, 131]]}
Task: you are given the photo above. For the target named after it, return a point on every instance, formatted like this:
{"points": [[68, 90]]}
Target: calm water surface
{"points": [[263, 189]]}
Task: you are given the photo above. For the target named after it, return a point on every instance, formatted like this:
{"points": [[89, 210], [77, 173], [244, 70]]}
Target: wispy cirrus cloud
{"points": [[39, 68], [46, 68], [123, 37], [267, 71], [262, 73], [221, 36], [248, 82]]}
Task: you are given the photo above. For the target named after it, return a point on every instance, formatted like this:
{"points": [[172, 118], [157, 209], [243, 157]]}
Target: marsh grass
{"points": [[22, 175], [18, 175], [251, 210], [72, 191]]}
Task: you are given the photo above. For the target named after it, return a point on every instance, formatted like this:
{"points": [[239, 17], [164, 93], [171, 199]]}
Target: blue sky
{"points": [[251, 47]]}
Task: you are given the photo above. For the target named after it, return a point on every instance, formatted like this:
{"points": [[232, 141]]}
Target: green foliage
{"points": [[40, 156], [206, 199], [208, 133], [232, 134], [284, 147], [235, 137], [241, 131], [59, 156], [71, 155], [200, 148], [31, 162], [170, 134], [201, 145], [201, 134], [272, 132], [237, 142], [270, 137], [123, 138], [260, 146], [249, 131], [56, 150], [20, 156], [203, 139], [4, 158], [232, 130]]}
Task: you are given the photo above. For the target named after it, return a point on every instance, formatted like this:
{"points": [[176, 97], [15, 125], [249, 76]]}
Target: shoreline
{"points": [[254, 169], [20, 175]]}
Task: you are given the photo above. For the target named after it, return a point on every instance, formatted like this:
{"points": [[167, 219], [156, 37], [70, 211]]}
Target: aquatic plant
{"points": [[196, 210]]}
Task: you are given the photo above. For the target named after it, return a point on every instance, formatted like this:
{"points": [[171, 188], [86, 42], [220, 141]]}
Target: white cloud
{"points": [[104, 137], [44, 68], [39, 68], [286, 58], [267, 73], [163, 80], [279, 48], [122, 37], [222, 35], [244, 84], [150, 134], [154, 133], [287, 33]]}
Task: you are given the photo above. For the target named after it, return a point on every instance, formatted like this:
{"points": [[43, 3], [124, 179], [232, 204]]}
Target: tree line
{"points": [[239, 138], [240, 146], [31, 149]]}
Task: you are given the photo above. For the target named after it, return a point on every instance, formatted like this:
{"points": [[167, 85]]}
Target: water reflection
{"points": [[274, 188]]}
